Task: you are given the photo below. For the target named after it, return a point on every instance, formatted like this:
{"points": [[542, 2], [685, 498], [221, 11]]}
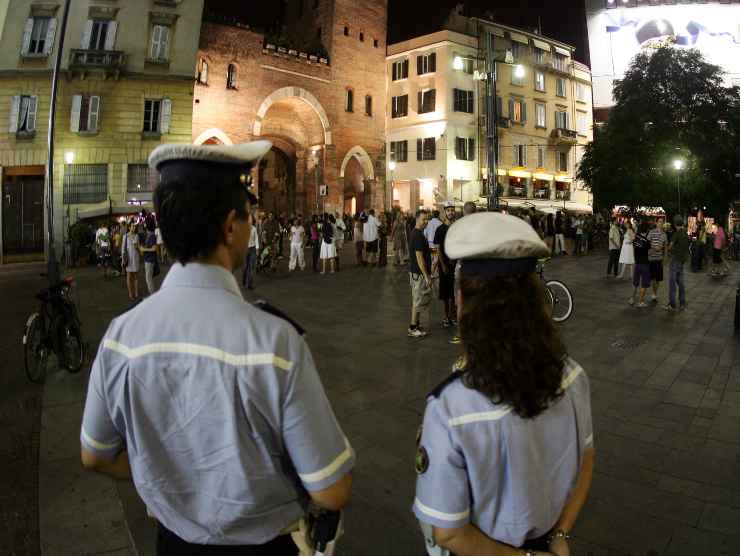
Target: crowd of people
{"points": [[128, 247]]}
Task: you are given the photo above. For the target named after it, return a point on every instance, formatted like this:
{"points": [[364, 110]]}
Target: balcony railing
{"points": [[565, 136], [112, 60]]}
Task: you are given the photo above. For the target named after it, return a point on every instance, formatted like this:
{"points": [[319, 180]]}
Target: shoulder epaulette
{"points": [[274, 311], [445, 383]]}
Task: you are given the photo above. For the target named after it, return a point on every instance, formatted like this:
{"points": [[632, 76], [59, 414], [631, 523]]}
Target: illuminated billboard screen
{"points": [[617, 34]]}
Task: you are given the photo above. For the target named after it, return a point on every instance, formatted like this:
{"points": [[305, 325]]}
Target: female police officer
{"points": [[214, 407], [505, 456]]}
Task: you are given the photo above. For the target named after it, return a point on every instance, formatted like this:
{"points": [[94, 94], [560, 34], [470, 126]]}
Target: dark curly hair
{"points": [[191, 214], [514, 354]]}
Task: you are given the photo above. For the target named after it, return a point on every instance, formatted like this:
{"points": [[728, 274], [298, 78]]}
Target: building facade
{"points": [[317, 92], [436, 118], [619, 29], [126, 86]]}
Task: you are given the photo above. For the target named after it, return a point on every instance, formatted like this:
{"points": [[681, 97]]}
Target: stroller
{"points": [[264, 259]]}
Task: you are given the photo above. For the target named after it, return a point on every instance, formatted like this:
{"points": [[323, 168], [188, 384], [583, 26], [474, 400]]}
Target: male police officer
{"points": [[505, 456], [214, 407]]}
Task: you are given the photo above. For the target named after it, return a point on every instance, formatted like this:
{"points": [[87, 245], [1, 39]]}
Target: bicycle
{"points": [[557, 294], [55, 328]]}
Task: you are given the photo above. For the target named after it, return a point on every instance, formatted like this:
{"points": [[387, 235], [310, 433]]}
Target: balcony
{"points": [[110, 62], [563, 136]]}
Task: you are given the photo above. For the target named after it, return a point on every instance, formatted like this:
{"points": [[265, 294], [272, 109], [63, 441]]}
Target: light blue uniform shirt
{"points": [[508, 476], [220, 407]]}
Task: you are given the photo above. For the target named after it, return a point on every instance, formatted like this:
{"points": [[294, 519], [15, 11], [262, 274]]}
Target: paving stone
{"points": [[685, 393], [720, 518]]}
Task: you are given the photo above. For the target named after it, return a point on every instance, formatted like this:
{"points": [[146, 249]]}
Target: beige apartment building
{"points": [[436, 118], [126, 86]]}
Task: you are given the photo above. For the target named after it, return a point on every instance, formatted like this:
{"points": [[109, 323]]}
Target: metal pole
{"points": [[53, 263], [678, 186], [491, 123]]}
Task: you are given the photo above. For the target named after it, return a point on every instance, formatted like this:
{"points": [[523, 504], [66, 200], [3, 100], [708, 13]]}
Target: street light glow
{"points": [[519, 71], [457, 63], [392, 165], [69, 157], [678, 164]]}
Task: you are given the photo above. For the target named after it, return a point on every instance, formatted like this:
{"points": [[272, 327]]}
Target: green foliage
{"points": [[670, 105]]}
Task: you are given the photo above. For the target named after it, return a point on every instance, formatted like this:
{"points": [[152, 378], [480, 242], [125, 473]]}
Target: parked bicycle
{"points": [[56, 329], [558, 295]]}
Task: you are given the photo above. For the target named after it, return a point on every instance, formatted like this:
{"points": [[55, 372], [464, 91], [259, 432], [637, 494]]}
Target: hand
{"points": [[559, 547]]}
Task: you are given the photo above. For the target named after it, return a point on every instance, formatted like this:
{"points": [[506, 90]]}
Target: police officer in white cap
{"points": [[505, 455], [213, 406]]}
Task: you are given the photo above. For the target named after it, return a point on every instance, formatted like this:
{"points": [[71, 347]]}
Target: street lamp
{"points": [[492, 115], [678, 164], [69, 157], [391, 167]]}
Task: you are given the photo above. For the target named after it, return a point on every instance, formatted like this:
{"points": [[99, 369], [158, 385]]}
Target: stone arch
{"points": [[363, 158], [288, 93], [213, 133]]}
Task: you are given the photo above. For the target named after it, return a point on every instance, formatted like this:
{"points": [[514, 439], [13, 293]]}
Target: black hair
{"points": [[435, 214], [191, 214]]}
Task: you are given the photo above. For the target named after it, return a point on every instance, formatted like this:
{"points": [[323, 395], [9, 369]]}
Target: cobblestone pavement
{"points": [[665, 387]]}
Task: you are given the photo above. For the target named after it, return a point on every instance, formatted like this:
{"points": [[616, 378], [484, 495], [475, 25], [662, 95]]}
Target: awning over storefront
{"points": [[542, 45], [549, 206], [562, 51], [115, 210], [519, 38]]}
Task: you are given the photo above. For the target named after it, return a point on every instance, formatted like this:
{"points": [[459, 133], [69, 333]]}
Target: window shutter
{"points": [[74, 125], [50, 35], [433, 62], [432, 100], [471, 105], [524, 112], [405, 72], [156, 38], [471, 149], [457, 148], [419, 65], [86, 35], [93, 114], [419, 149], [511, 109], [27, 32], [164, 43], [110, 38], [165, 115], [524, 155], [15, 107], [419, 98], [395, 73], [33, 103]]}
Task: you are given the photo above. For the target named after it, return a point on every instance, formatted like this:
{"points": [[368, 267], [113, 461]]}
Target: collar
{"points": [[199, 275]]}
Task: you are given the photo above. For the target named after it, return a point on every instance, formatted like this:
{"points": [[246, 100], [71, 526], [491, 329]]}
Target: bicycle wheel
{"points": [[35, 352], [562, 306], [549, 301], [71, 349]]}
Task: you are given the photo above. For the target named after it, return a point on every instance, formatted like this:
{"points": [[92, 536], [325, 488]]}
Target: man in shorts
{"points": [[446, 268], [641, 277], [420, 278], [656, 253]]}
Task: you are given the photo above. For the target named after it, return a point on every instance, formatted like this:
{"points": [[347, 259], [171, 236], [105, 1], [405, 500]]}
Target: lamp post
{"points": [[678, 164], [392, 168], [492, 116], [53, 263]]}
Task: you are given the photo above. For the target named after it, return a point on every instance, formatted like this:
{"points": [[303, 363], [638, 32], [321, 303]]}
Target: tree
{"points": [[670, 105]]}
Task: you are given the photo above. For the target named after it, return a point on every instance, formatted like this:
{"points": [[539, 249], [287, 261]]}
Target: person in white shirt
{"points": [[370, 236], [431, 228], [340, 229], [251, 266], [297, 235]]}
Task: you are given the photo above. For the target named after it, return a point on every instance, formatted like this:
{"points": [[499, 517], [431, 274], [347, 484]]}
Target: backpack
{"points": [[327, 233]]}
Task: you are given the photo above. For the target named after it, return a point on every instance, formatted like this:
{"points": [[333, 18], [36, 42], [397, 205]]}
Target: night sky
{"points": [[564, 20]]}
